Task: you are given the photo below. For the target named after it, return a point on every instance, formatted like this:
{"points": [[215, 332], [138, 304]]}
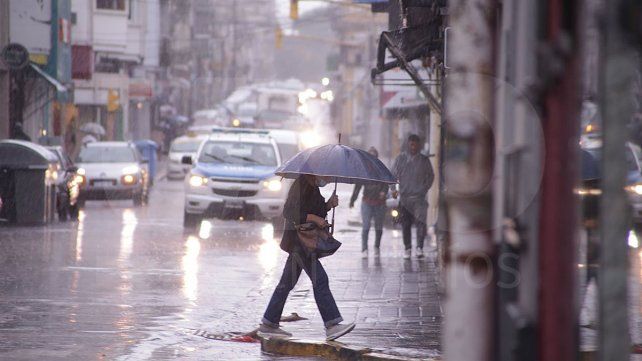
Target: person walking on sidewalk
{"points": [[415, 176], [373, 206], [304, 204]]}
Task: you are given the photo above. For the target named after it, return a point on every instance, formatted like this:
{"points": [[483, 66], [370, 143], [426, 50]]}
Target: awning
{"points": [[56, 84]]}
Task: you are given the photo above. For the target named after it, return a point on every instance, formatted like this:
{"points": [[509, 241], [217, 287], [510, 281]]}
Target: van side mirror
{"points": [[186, 159]]}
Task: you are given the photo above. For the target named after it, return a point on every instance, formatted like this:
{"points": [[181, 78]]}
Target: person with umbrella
{"points": [[314, 168], [415, 175], [93, 131], [373, 206], [304, 204]]}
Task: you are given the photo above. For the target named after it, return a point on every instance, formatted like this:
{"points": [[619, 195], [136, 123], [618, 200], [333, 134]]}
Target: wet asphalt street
{"points": [[128, 283]]}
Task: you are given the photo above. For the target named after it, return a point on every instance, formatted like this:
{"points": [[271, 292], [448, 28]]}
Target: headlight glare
{"points": [[635, 188], [273, 185], [196, 180], [128, 179]]}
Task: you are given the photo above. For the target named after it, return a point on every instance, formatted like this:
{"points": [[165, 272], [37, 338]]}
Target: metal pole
{"points": [[469, 100], [617, 73], [557, 331]]}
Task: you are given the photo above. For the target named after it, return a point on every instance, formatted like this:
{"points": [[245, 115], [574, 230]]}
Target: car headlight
{"points": [[81, 171], [196, 180], [394, 213], [588, 191], [273, 184], [131, 169], [128, 179], [635, 188], [79, 179]]}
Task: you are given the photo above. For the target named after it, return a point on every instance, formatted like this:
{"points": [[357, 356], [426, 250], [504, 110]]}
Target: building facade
{"points": [[115, 56], [36, 97], [213, 47]]}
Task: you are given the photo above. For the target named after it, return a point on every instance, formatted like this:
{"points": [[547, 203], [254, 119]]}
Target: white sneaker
{"points": [[336, 331], [420, 252], [406, 254], [266, 331], [376, 252], [364, 254]]}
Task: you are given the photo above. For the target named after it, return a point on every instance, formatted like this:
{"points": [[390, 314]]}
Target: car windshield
{"points": [[106, 155], [631, 162], [186, 146], [241, 153], [274, 115], [288, 151], [61, 159], [633, 157]]}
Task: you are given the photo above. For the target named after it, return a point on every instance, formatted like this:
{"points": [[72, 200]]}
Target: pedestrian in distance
{"points": [[415, 177], [304, 204], [373, 207]]}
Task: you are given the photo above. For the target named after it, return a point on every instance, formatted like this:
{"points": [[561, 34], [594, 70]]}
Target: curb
{"points": [[330, 350]]}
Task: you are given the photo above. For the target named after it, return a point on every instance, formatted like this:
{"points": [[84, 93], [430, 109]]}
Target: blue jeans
{"points": [[369, 212], [297, 260]]}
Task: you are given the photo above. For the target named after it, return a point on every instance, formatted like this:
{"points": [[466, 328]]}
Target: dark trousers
{"points": [[298, 260], [413, 211]]}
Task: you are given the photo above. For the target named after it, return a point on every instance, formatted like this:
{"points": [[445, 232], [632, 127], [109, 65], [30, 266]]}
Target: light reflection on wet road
{"points": [[127, 283]]}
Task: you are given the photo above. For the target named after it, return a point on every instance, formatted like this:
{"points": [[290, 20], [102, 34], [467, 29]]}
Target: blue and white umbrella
{"points": [[341, 163]]}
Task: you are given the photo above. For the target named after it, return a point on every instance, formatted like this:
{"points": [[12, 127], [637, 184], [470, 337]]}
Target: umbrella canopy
{"points": [[342, 163], [93, 128]]}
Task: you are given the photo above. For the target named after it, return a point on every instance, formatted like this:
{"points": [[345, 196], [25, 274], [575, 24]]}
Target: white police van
{"points": [[232, 176]]}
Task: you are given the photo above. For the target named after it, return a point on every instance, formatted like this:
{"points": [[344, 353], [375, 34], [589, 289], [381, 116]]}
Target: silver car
{"points": [[112, 170]]}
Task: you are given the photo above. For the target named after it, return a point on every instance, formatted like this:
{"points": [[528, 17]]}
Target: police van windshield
{"points": [[238, 153]]}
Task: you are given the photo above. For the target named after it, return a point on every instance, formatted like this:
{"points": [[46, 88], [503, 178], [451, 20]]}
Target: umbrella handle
{"points": [[333, 193]]}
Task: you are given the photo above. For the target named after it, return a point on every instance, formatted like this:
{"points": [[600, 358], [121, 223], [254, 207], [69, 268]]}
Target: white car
{"points": [[182, 146], [112, 170], [288, 141], [233, 176]]}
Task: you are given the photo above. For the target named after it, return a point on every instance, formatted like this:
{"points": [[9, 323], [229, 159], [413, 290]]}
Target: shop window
{"points": [[110, 4]]}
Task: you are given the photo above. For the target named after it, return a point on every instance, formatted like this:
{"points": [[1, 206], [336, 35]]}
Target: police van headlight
{"points": [[196, 180], [273, 184]]}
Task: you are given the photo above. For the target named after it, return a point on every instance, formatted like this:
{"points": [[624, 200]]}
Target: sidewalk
{"points": [[394, 302]]}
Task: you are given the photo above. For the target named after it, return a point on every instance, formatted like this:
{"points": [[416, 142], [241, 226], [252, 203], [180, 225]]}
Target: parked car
{"points": [[233, 176], [112, 170], [633, 155], [67, 186], [182, 146]]}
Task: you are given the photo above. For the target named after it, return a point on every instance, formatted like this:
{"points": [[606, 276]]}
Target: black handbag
{"points": [[316, 240]]}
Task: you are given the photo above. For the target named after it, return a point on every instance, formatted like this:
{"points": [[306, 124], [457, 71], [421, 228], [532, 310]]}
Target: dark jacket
{"points": [[303, 199], [414, 173], [371, 194]]}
